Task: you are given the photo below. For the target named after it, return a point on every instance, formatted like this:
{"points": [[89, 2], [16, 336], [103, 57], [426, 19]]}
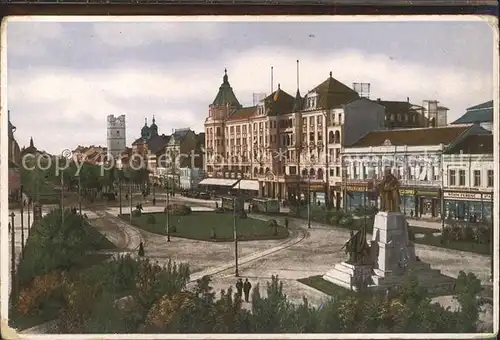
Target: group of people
{"points": [[243, 287]]}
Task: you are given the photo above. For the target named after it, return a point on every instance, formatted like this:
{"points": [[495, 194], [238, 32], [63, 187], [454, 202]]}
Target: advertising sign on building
{"points": [[475, 196]]}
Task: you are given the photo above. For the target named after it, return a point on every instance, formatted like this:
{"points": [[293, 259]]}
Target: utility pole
{"points": [[12, 255]]}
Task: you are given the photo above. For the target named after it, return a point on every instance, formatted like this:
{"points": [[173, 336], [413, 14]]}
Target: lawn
{"points": [[200, 226], [324, 286], [438, 241], [331, 289]]}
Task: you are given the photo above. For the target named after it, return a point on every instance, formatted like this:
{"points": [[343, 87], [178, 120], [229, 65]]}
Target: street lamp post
{"points": [[12, 254], [120, 190], [235, 236], [29, 217], [167, 213], [130, 192], [309, 201], [22, 220]]}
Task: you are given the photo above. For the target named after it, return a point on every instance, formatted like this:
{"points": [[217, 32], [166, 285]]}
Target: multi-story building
{"points": [[468, 179], [190, 178], [180, 152], [288, 144], [403, 114], [412, 155], [481, 114]]}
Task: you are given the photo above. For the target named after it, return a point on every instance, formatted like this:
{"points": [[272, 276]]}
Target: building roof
{"points": [[473, 144], [481, 113], [412, 137], [179, 134], [279, 102], [243, 113], [332, 93], [226, 95], [393, 107], [156, 143], [200, 139]]}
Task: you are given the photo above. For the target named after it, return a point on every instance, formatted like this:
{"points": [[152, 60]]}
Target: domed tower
{"points": [[145, 132], [153, 129], [224, 104]]}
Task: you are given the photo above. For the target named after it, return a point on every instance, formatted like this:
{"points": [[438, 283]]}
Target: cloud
{"points": [[61, 106], [125, 35], [28, 38]]}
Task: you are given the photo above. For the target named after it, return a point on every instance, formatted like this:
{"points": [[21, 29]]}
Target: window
{"points": [[477, 178], [340, 118], [490, 178], [452, 179], [461, 177], [311, 121]]}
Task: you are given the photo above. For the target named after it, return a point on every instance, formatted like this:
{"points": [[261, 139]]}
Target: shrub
{"points": [[151, 219], [137, 213], [179, 209], [467, 233], [346, 220], [219, 210]]}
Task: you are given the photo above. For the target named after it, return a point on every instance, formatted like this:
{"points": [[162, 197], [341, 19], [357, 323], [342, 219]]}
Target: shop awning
{"points": [[223, 182], [247, 184]]}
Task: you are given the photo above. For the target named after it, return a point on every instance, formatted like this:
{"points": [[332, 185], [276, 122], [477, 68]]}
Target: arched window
{"points": [[312, 172], [261, 171], [331, 138], [320, 174], [304, 172], [337, 137]]}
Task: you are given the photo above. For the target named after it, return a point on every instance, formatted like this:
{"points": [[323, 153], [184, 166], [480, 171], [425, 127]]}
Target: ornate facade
{"points": [[288, 144]]}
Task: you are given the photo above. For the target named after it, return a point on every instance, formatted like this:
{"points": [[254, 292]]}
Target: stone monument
{"points": [[390, 255]]}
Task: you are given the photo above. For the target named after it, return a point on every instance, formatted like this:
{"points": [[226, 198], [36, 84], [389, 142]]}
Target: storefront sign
{"points": [[313, 186], [407, 192], [356, 188], [476, 196], [427, 193]]}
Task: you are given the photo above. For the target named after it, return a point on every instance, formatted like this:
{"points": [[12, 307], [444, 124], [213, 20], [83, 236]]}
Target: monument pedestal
{"points": [[393, 256], [348, 275]]}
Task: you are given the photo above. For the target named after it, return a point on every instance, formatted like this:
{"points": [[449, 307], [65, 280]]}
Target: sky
{"points": [[65, 78]]}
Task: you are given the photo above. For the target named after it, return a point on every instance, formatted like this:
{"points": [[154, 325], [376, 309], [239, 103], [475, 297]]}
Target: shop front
{"points": [[427, 202], [407, 204], [315, 191], [468, 206], [359, 196]]}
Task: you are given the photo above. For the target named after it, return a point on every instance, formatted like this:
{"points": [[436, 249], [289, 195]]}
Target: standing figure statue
{"points": [[389, 193]]}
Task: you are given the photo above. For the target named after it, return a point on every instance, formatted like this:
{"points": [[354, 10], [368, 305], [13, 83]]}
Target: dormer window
{"points": [[312, 100], [260, 110]]}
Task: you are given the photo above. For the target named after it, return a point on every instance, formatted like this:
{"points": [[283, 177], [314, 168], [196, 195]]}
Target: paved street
{"points": [[306, 253]]}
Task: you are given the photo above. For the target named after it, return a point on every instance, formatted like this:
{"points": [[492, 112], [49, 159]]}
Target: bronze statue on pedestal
{"points": [[357, 248], [389, 193]]}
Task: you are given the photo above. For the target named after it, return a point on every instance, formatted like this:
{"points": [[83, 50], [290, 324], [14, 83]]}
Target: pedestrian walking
{"points": [[286, 222], [246, 289], [239, 287], [141, 249], [411, 213]]}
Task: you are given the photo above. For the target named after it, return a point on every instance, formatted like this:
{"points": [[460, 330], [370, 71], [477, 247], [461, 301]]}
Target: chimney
{"points": [[407, 99]]}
